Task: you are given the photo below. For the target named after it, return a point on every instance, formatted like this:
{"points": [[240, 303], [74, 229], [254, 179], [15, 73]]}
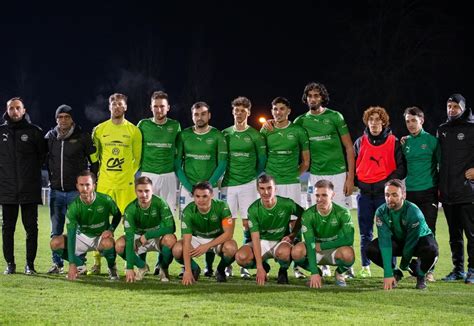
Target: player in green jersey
{"points": [[119, 148], [422, 153], [247, 158], [88, 228], [269, 223], [159, 135], [329, 236], [149, 226], [206, 225], [201, 156], [402, 231]]}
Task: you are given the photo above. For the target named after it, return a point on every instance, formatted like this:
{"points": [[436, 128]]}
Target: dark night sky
{"points": [[389, 53]]}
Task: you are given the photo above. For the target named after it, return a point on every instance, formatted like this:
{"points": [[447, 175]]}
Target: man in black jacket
{"points": [[22, 152], [456, 138], [69, 153]]}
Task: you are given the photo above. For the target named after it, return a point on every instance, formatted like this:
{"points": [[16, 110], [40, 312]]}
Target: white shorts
{"points": [[150, 245], [268, 247], [326, 257], [197, 241], [338, 181], [239, 198], [85, 243], [292, 191], [165, 186]]}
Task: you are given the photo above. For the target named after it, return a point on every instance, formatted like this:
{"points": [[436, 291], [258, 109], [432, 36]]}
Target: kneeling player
{"points": [[329, 235], [88, 228], [206, 225], [269, 223], [402, 231], [149, 226]]}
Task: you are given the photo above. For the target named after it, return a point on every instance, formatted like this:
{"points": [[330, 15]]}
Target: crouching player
{"points": [[329, 235], [402, 231], [206, 225], [149, 226], [269, 224], [88, 228]]}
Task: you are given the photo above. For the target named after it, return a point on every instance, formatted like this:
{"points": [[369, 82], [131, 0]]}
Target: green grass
{"points": [[45, 299]]}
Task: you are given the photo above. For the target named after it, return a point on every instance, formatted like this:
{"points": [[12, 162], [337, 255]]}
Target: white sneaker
{"points": [[164, 275], [340, 279], [326, 271], [228, 271], [244, 273], [298, 273], [82, 270], [141, 272], [350, 273]]}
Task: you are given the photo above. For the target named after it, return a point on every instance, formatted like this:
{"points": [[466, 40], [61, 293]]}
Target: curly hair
{"points": [[316, 87], [376, 109]]}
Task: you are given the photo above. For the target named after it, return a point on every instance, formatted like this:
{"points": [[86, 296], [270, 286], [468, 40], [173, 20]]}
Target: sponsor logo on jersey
{"points": [[100, 209], [5, 137], [169, 129], [115, 151], [424, 146], [239, 154], [209, 141], [204, 157], [333, 221], [159, 145], [460, 136], [378, 221], [290, 136], [115, 164], [247, 139], [320, 138], [24, 137]]}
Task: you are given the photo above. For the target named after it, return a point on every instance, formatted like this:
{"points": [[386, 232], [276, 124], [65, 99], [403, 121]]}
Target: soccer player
{"points": [[206, 225], [201, 156], [159, 151], [402, 231], [149, 226], [247, 158], [422, 153], [287, 146], [269, 223], [329, 235], [119, 148], [88, 228]]}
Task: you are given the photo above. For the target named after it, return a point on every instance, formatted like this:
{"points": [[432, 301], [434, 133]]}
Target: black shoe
{"points": [[11, 269], [30, 270], [196, 273], [220, 276], [420, 283], [397, 274], [208, 272], [454, 276], [282, 276], [266, 267], [413, 267], [156, 272], [180, 275]]}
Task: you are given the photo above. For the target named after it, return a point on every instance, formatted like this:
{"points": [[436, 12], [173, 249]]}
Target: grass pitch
{"points": [[46, 299]]}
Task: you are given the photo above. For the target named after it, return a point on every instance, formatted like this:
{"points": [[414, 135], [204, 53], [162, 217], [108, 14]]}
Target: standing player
{"points": [[402, 231], [159, 150], [269, 223], [201, 156], [247, 158], [422, 153], [119, 148], [88, 228], [149, 226], [287, 145], [329, 236], [206, 225], [331, 148]]}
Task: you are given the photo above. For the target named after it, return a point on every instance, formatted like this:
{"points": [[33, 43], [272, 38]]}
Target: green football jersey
{"points": [[208, 225], [284, 146], [246, 149], [324, 132], [201, 153], [406, 225], [159, 145], [273, 223], [153, 222], [422, 153], [332, 231]]}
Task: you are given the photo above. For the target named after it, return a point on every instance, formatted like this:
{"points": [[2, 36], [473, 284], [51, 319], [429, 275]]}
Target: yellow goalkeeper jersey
{"points": [[119, 149]]}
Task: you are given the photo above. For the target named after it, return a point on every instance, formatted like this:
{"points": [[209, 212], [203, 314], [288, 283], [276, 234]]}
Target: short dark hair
{"points": [[16, 99], [199, 105], [87, 173], [143, 180], [324, 184], [203, 185], [316, 87], [159, 95], [265, 178], [242, 101], [414, 110], [396, 183], [117, 97], [281, 100]]}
